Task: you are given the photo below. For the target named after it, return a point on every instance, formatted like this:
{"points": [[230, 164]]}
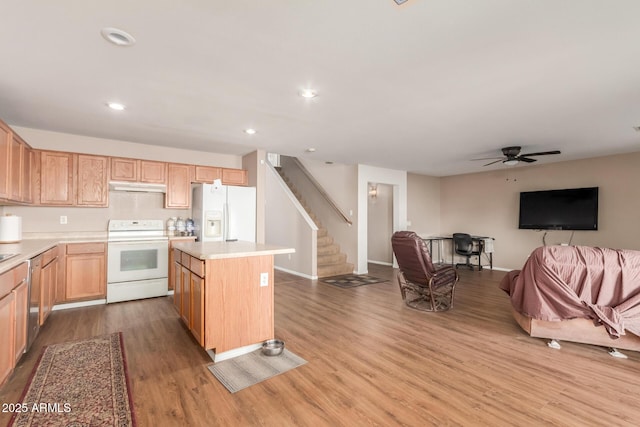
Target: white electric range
{"points": [[138, 258]]}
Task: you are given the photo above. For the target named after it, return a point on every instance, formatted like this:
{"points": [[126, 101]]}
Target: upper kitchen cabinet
{"points": [[92, 181], [124, 169], [138, 170], [5, 160], [235, 177], [153, 172], [178, 186], [207, 174], [57, 178], [15, 167]]}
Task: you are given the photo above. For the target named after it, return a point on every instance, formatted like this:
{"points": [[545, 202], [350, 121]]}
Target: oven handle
{"points": [[149, 243]]}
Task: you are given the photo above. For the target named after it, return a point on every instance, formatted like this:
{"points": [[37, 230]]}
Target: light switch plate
{"points": [[63, 219], [264, 279]]}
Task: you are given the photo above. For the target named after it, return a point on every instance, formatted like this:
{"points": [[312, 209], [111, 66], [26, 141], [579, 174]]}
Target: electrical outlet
{"points": [[264, 279], [63, 219]]}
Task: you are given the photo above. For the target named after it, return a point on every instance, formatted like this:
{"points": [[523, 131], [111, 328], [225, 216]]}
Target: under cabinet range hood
{"points": [[138, 187]]}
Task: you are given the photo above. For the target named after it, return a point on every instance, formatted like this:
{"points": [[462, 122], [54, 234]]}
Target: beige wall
{"points": [[122, 205], [380, 225], [423, 204], [254, 163], [488, 204], [47, 140]]}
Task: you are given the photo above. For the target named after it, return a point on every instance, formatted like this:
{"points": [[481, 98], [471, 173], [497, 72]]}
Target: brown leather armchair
{"points": [[422, 285]]}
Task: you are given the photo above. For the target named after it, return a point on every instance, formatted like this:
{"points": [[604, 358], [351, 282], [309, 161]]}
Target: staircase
{"points": [[331, 262]]}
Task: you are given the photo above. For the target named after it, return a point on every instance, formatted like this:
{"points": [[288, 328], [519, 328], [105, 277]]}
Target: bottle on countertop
{"points": [[181, 227], [171, 226]]}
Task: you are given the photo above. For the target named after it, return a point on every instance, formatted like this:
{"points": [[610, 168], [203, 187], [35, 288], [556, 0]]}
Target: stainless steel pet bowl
{"points": [[272, 347]]}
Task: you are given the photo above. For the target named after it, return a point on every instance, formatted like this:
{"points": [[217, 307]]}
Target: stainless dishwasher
{"points": [[35, 268]]}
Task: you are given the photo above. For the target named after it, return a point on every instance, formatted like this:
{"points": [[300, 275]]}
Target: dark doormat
{"points": [[351, 280]]}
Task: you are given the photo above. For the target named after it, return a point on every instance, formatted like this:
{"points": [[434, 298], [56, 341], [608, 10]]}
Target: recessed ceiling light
{"points": [[308, 93], [117, 36], [116, 106], [311, 150], [250, 131], [400, 1]]}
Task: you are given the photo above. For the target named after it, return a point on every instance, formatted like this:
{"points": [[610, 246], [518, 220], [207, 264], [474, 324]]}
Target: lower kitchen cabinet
{"points": [[21, 294], [13, 318], [7, 335], [188, 296], [48, 283], [85, 271]]}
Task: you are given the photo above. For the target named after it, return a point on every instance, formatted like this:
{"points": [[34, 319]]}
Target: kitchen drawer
{"points": [[176, 256], [49, 256], [185, 259], [197, 266], [10, 279], [85, 248]]}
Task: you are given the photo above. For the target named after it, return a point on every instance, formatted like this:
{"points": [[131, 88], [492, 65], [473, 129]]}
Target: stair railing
{"points": [[321, 190]]}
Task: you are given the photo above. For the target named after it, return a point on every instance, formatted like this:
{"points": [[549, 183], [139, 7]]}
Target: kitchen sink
{"points": [[4, 257]]}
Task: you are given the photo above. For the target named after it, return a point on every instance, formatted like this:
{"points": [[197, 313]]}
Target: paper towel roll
{"points": [[10, 229]]}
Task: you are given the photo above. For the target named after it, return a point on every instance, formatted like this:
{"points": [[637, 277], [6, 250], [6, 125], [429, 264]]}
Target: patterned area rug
{"points": [[251, 368], [80, 383], [351, 280]]}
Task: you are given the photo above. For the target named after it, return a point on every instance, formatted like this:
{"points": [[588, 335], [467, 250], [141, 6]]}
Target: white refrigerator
{"points": [[224, 213]]}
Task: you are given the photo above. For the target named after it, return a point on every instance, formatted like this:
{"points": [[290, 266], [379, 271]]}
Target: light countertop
{"points": [[238, 249]]}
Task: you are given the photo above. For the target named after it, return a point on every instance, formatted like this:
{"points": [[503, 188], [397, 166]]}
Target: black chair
{"points": [[422, 285], [463, 245]]}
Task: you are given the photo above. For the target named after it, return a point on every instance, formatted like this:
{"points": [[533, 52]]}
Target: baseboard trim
{"points": [[295, 273], [388, 264], [68, 305]]}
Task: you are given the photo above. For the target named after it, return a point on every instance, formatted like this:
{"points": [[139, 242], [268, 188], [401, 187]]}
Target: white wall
{"points": [[398, 180], [288, 226], [380, 228]]}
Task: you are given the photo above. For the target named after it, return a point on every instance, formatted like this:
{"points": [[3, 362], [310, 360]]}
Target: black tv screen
{"points": [[570, 209]]}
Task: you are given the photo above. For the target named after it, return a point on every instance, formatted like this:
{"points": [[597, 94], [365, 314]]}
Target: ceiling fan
{"points": [[512, 156]]}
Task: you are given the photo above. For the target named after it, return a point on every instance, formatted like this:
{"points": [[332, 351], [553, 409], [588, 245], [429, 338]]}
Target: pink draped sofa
{"points": [[579, 293]]}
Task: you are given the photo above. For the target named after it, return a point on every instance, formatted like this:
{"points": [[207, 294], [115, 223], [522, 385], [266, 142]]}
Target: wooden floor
{"points": [[371, 361]]}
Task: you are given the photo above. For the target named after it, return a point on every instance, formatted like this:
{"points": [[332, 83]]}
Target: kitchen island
{"points": [[224, 294]]}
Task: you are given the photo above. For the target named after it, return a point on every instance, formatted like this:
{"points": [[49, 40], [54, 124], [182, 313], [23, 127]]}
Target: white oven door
{"points": [[141, 260]]}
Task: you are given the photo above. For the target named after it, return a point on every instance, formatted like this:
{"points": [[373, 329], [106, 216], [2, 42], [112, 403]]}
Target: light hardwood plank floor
{"points": [[371, 361]]}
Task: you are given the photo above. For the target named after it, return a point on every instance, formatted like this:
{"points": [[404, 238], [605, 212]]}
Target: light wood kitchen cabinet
{"points": [[26, 182], [185, 312], [178, 186], [13, 318], [15, 171], [207, 174], [197, 307], [57, 175], [124, 169], [177, 286], [235, 177], [135, 170], [48, 283], [92, 181], [85, 271], [21, 294], [5, 160], [15, 167], [7, 335], [189, 292], [153, 172]]}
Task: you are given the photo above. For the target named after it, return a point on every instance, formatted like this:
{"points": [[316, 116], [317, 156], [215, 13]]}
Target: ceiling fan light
{"points": [[511, 162]]}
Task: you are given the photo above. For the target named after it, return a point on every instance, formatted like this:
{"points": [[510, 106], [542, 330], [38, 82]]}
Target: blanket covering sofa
{"points": [[567, 282]]}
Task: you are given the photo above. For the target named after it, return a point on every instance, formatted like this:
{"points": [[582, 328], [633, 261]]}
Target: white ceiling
{"points": [[422, 87]]}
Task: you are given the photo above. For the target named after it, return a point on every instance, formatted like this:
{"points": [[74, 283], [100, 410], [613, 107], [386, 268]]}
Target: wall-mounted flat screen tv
{"points": [[570, 209]]}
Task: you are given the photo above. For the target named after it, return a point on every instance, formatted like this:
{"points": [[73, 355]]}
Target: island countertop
{"points": [[222, 250]]}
